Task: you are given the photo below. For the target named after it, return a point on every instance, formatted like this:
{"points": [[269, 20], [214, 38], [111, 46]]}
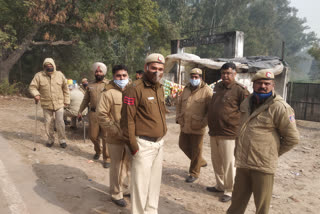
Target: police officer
{"points": [[268, 130], [143, 124], [91, 99], [223, 121], [139, 74], [109, 114], [84, 85], [191, 113], [50, 87]]}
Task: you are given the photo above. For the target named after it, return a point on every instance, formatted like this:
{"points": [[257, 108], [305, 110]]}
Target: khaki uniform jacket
{"points": [[53, 90], [92, 95], [265, 134], [192, 109], [224, 109], [109, 112], [143, 112]]}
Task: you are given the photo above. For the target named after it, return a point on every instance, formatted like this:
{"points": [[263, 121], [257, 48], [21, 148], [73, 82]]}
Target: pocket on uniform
{"points": [[196, 122], [259, 153]]}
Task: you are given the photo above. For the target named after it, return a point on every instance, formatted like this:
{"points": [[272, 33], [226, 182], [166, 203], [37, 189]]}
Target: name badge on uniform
{"points": [[150, 98]]}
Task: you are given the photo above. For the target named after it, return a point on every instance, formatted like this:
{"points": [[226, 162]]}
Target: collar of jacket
{"points": [[52, 75], [246, 105], [229, 85]]}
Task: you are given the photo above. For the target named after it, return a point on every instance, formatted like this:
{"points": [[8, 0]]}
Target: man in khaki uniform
{"points": [[91, 99], [143, 124], [76, 97], [109, 114], [84, 85], [192, 112], [50, 87], [223, 121], [268, 130]]}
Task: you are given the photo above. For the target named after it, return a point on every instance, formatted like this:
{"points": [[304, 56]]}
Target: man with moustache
{"points": [[223, 122], [268, 130], [139, 74], [50, 87], [91, 99], [143, 124]]}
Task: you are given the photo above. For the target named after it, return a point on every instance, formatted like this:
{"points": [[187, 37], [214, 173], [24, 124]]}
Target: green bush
{"points": [[12, 89]]}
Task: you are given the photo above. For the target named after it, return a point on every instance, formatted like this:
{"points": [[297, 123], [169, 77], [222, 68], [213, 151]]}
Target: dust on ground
{"points": [[81, 185]]}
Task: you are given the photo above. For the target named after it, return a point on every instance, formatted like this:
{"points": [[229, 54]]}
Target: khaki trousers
{"points": [[49, 116], [247, 182], [119, 171], [222, 156], [146, 171], [191, 145], [97, 135]]}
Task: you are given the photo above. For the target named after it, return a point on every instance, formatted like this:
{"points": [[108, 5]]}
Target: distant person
{"points": [[109, 114], [50, 88], [223, 121], [192, 112], [91, 99], [84, 85], [76, 97], [268, 130], [143, 124], [139, 74]]}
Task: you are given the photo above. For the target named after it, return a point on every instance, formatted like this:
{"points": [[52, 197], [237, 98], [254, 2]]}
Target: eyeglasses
{"points": [[226, 73]]}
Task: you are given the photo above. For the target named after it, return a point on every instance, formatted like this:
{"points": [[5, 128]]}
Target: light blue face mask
{"points": [[195, 82], [121, 83]]}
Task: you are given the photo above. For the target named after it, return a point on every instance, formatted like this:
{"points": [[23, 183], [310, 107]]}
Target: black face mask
{"points": [[50, 69], [85, 85], [99, 78]]}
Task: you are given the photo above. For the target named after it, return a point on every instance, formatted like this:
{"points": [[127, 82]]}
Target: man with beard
{"points": [[223, 122], [109, 114], [268, 130], [143, 123], [91, 99], [50, 87]]}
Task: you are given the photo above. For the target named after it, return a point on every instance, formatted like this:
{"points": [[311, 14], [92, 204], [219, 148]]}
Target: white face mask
{"points": [[121, 83], [195, 82]]}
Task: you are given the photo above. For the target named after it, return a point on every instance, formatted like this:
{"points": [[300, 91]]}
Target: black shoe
{"points": [[106, 165], [225, 198], [63, 145], [120, 202], [213, 189], [49, 144], [96, 156], [190, 179]]}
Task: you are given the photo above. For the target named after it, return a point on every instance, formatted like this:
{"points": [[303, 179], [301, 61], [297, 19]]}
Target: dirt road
{"points": [[69, 181]]}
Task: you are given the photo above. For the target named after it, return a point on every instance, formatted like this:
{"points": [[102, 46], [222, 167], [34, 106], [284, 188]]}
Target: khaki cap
{"points": [[155, 57], [84, 80], [99, 65], [264, 74], [196, 71]]}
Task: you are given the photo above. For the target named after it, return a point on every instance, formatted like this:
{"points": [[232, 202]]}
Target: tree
{"points": [[48, 22]]}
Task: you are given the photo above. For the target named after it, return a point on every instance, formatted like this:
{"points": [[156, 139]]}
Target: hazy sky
{"points": [[309, 9]]}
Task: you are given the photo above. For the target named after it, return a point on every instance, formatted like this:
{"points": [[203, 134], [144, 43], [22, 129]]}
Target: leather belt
{"points": [[93, 109], [152, 139]]}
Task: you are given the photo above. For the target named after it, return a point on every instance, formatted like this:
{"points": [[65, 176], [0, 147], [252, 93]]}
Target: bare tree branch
{"points": [[53, 43]]}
